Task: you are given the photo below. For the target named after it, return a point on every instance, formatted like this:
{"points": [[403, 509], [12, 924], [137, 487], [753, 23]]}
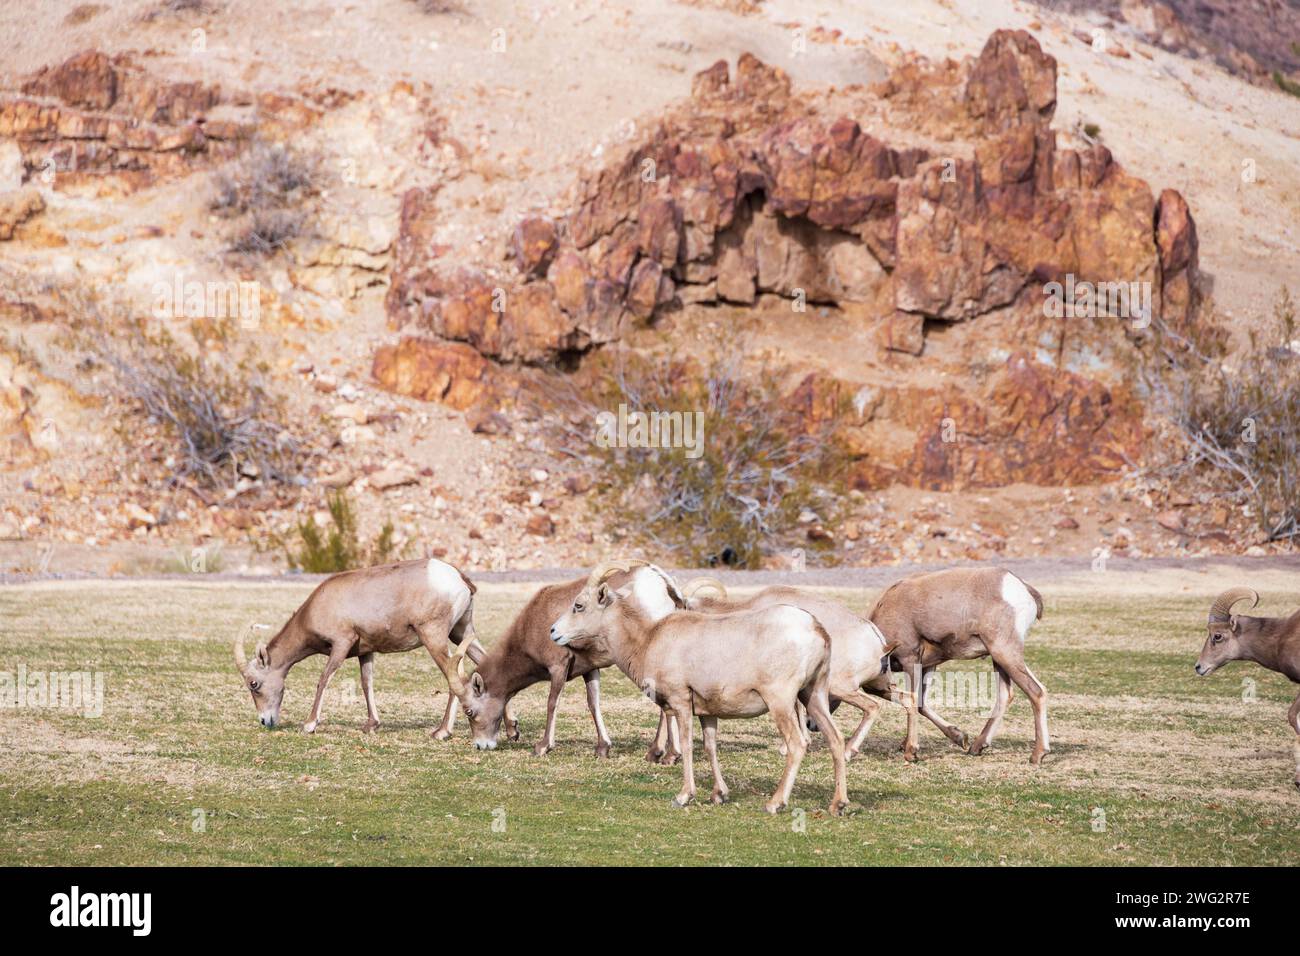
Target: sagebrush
{"points": [[338, 548], [1239, 413], [758, 470]]}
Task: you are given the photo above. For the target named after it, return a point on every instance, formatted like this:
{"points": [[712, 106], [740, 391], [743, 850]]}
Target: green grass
{"points": [[177, 770]]}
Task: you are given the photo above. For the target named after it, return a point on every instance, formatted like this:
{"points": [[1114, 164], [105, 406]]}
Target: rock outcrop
{"points": [[94, 116], [751, 191]]}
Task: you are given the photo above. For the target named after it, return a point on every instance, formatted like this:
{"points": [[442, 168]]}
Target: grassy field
{"points": [[1151, 765]]}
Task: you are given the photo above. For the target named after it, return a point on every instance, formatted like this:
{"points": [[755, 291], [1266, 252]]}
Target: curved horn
{"points": [[1221, 609], [695, 585], [607, 568], [241, 661], [457, 678]]}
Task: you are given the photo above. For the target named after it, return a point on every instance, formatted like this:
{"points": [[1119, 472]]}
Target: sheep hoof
{"points": [[838, 807], [309, 727], [369, 726], [441, 733], [911, 755], [602, 750], [963, 741], [654, 755], [977, 748], [774, 806], [512, 731], [1037, 756], [849, 754], [541, 750], [682, 799], [670, 759]]}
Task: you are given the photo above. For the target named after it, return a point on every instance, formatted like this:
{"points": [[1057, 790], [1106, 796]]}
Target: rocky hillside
{"points": [[873, 228]]}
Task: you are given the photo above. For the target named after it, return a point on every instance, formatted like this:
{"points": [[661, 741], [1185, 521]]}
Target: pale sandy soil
{"points": [[535, 91]]}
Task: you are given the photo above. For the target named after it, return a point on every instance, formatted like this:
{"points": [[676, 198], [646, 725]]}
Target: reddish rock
{"points": [[1013, 82], [86, 80], [1179, 259], [533, 244], [540, 525], [446, 372]]}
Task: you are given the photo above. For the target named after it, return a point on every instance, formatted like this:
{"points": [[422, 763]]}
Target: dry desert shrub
{"points": [[266, 193], [1238, 415]]}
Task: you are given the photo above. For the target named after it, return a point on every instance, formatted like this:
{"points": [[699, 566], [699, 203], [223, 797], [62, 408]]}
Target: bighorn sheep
{"points": [[1272, 642], [859, 654], [379, 610], [964, 614], [741, 664], [526, 655]]}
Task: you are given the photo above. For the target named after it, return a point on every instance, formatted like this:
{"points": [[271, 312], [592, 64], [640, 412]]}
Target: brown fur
{"points": [[1271, 642], [380, 610], [960, 614], [525, 655], [712, 666]]}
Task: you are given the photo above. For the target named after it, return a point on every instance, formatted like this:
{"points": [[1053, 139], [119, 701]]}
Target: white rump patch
{"points": [[650, 588], [446, 581], [1022, 602]]}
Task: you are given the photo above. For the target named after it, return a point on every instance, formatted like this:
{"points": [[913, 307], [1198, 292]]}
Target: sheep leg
{"points": [[951, 731], [592, 679], [547, 743], [448, 725], [434, 635], [512, 723], [1012, 661], [674, 751], [786, 716], [338, 654], [819, 708], [681, 709], [1293, 718], [709, 725], [995, 717], [660, 742], [870, 707], [368, 691]]}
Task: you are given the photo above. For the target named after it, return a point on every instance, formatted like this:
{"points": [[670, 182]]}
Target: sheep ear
{"points": [[262, 657], [476, 682], [1234, 623], [604, 597]]}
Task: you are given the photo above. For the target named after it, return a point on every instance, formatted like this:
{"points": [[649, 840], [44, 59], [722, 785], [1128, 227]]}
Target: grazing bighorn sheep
{"points": [[964, 614], [526, 655], [1272, 642], [379, 610], [742, 664], [859, 654]]}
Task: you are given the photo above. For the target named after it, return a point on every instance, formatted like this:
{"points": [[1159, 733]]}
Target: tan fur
{"points": [[380, 610], [1271, 642], [713, 666], [960, 614], [859, 672]]}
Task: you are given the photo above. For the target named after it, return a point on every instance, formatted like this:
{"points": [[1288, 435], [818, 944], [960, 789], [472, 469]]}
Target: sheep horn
{"points": [[608, 568], [457, 679], [695, 585], [1221, 609], [241, 661]]}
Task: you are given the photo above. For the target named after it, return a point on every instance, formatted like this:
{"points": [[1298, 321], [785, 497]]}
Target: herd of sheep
{"points": [[785, 651]]}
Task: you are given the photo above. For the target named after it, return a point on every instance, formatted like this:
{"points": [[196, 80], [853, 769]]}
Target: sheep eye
{"points": [[1218, 638], [578, 608], [254, 684]]}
